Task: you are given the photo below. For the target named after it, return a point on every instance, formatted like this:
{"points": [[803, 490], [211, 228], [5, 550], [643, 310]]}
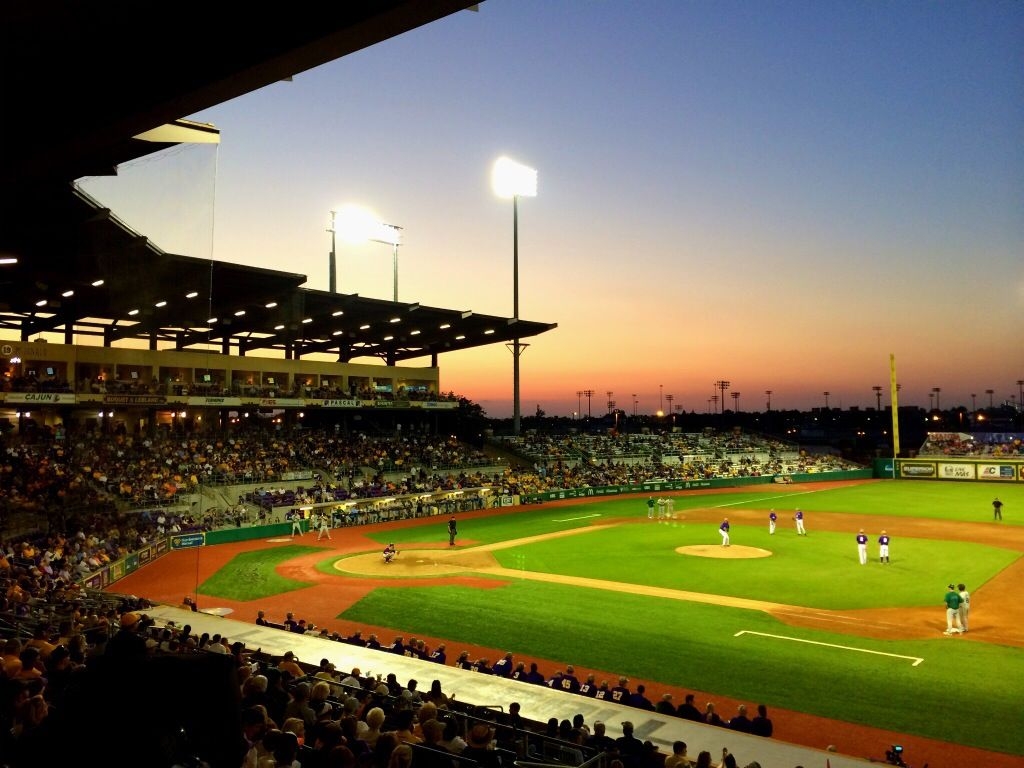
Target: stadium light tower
{"points": [[769, 393], [357, 225], [878, 397], [332, 263], [511, 179], [722, 385], [937, 390], [990, 392], [826, 394], [735, 401]]}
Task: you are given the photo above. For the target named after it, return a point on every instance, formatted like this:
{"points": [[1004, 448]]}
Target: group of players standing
{"points": [[862, 547], [773, 519]]}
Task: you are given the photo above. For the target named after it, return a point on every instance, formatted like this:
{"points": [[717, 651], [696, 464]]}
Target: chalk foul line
{"points": [[915, 659]]}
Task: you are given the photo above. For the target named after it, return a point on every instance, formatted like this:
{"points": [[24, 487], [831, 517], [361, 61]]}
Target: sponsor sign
{"points": [[215, 401], [506, 500], [996, 471], [917, 470], [446, 405], [956, 471], [186, 540], [280, 402], [382, 404], [134, 400], [340, 403], [40, 397]]}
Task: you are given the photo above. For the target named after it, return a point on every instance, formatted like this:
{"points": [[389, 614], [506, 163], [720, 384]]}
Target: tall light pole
{"points": [[357, 225], [391, 234], [990, 392], [826, 394], [611, 403], [332, 262], [579, 402], [974, 401], [512, 179], [634, 405], [661, 399], [937, 390], [722, 385], [1020, 391], [589, 393], [769, 393], [714, 399], [735, 401], [670, 398], [878, 397]]}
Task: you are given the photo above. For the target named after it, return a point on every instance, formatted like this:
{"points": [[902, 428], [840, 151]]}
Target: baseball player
{"points": [[883, 548], [772, 519], [952, 600], [650, 508], [389, 552], [296, 516], [965, 605], [862, 547], [799, 517], [723, 529], [325, 526]]}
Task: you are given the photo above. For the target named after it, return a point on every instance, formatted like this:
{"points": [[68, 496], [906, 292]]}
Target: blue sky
{"points": [[779, 194]]}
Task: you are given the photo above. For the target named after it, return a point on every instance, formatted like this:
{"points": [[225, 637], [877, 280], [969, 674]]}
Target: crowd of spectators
{"points": [[294, 713], [994, 445]]}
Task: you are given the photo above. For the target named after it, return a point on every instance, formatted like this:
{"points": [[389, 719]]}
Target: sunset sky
{"points": [[777, 194]]}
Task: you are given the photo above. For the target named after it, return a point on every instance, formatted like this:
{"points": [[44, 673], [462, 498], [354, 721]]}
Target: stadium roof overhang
{"points": [[88, 87]]}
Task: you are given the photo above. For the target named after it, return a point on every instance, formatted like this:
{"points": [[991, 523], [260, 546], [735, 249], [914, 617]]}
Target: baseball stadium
{"points": [[226, 469]]}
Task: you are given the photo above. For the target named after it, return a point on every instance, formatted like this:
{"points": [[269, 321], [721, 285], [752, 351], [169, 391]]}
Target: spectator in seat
{"points": [[740, 722], [761, 725], [678, 758]]}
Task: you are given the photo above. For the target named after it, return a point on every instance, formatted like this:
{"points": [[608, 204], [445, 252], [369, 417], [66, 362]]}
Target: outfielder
{"points": [[723, 529]]}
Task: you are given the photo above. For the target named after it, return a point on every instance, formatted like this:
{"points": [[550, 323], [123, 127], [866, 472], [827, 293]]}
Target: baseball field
{"points": [[794, 622]]}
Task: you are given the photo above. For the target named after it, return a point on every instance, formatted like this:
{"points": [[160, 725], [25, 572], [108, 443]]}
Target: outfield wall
{"points": [[658, 486], [987, 469]]}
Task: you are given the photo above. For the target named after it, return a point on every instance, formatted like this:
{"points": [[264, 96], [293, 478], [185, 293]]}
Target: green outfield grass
{"points": [[978, 686]]}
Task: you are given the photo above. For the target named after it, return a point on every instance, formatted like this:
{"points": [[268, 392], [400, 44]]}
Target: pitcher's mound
{"points": [[733, 551]]}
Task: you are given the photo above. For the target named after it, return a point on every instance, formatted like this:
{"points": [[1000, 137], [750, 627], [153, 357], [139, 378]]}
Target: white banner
{"points": [[957, 471]]}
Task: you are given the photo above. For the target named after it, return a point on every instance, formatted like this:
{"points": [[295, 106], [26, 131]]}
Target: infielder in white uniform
{"points": [[965, 604], [862, 547], [724, 530]]}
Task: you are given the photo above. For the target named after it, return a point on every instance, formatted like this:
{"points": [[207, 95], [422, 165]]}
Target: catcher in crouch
{"points": [[389, 552]]}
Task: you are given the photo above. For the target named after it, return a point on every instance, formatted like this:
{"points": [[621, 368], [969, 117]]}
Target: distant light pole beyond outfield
{"points": [[511, 179]]}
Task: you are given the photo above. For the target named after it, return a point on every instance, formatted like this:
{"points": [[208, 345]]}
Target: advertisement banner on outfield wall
{"points": [[956, 471], [996, 472], [917, 469]]}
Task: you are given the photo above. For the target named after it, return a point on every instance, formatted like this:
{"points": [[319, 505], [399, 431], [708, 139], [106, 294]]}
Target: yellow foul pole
{"points": [[893, 389]]}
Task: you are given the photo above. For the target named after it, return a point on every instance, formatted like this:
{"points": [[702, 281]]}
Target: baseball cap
{"points": [[129, 619]]}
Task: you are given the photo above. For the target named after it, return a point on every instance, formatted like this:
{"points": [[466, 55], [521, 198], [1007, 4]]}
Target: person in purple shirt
{"points": [[862, 547], [799, 517], [883, 548], [503, 667], [772, 519], [723, 530]]}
